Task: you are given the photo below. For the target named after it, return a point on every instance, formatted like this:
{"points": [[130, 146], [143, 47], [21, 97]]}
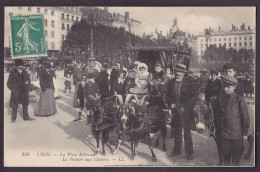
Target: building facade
{"points": [[237, 39], [99, 16], [104, 17], [57, 23]]}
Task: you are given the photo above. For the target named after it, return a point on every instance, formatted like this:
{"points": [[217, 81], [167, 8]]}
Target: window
{"points": [[201, 45], [229, 44], [245, 44], [10, 14], [225, 39], [38, 10], [46, 44], [215, 39], [240, 38], [235, 39], [46, 33], [240, 44], [63, 26], [52, 23], [68, 17], [219, 45], [250, 43], [96, 15], [77, 18], [52, 34], [72, 18], [230, 39], [52, 45], [29, 8], [210, 40], [245, 38], [52, 13], [224, 44], [219, 39], [62, 16], [45, 22], [235, 44], [250, 38], [45, 11], [62, 37], [68, 27]]}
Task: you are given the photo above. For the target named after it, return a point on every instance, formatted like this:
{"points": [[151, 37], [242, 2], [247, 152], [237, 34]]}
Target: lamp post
{"points": [[91, 58], [207, 35]]}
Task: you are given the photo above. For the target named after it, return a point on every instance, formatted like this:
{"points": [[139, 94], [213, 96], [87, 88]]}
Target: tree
{"points": [[243, 59]]}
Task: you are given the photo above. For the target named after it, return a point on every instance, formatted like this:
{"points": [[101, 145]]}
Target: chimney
{"points": [[127, 15], [106, 9]]}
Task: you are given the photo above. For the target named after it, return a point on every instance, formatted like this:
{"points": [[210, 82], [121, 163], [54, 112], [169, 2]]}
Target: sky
{"points": [[190, 19]]}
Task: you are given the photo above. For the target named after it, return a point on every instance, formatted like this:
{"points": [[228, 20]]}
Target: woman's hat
{"points": [[180, 67], [18, 62], [142, 66]]}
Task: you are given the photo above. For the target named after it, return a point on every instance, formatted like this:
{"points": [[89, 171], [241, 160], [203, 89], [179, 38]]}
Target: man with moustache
{"points": [[18, 83], [181, 98]]}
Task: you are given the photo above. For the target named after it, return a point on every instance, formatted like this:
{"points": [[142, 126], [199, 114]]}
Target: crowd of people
{"points": [[178, 89]]}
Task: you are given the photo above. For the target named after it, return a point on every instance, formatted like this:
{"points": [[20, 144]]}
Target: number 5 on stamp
{"points": [[27, 36]]}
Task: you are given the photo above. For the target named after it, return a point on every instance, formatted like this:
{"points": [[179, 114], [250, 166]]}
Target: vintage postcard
{"points": [[129, 86]]}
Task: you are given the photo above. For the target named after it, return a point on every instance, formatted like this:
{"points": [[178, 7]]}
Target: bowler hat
{"points": [[229, 80], [18, 62], [214, 72], [180, 67], [158, 64], [91, 75], [47, 65]]}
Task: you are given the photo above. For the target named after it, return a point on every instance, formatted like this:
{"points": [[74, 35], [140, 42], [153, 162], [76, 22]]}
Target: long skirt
{"points": [[47, 104], [75, 99], [56, 87]]}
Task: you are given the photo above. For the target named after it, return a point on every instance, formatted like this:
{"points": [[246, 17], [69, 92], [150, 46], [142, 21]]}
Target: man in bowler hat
{"points": [[181, 98], [18, 83]]}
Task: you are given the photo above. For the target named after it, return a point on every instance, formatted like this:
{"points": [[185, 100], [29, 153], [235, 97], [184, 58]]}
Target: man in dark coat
{"points": [[181, 97], [104, 84], [114, 75], [18, 83], [213, 86], [232, 121]]}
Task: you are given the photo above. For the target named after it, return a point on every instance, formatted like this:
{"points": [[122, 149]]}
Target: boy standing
{"points": [[81, 96], [231, 122]]}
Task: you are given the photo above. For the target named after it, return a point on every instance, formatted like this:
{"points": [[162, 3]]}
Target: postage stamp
{"points": [[27, 36]]}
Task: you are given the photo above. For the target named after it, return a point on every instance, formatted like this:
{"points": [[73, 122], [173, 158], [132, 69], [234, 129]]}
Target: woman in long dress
{"points": [[46, 105]]}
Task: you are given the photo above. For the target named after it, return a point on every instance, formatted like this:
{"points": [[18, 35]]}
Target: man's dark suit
{"points": [[186, 120], [19, 92]]}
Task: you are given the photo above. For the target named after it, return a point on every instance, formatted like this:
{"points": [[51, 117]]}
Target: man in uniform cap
{"points": [[231, 121], [181, 97], [18, 82]]}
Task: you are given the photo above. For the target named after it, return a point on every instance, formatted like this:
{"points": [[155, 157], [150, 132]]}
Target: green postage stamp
{"points": [[27, 36]]}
